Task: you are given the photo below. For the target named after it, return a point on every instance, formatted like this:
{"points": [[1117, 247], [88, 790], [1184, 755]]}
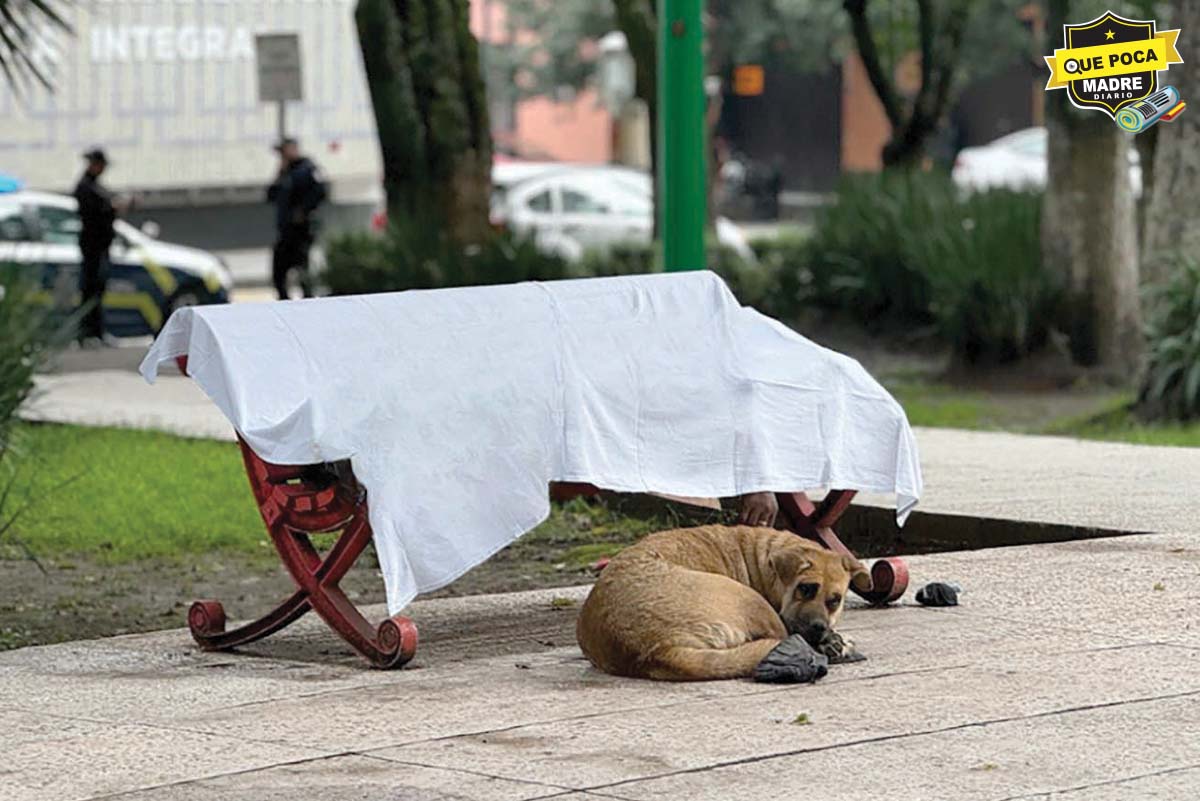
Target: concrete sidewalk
{"points": [[1069, 669]]}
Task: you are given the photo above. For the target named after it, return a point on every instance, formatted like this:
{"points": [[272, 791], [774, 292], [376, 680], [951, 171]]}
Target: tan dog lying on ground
{"points": [[717, 602]]}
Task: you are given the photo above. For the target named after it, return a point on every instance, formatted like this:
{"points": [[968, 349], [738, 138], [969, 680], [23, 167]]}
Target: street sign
{"points": [[279, 75], [748, 80]]}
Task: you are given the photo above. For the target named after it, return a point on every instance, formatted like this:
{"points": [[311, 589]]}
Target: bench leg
{"points": [[206, 619], [392, 644], [889, 576], [295, 501]]}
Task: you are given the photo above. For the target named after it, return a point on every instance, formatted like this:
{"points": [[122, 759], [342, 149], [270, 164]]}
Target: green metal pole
{"points": [[681, 159]]}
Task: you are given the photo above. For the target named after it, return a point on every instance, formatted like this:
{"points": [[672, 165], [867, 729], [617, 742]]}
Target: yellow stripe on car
{"points": [[142, 302], [160, 275], [212, 281]]}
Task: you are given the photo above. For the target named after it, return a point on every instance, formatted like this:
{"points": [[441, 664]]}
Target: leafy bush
{"points": [[622, 259], [29, 333], [1171, 387], [905, 249], [753, 284], [409, 258], [989, 296], [360, 263], [858, 257], [786, 259]]}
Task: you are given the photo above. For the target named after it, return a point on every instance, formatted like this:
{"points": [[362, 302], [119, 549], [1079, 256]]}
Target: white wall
{"points": [[169, 89]]}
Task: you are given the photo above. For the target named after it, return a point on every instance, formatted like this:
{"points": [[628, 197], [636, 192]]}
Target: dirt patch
{"points": [[86, 600], [81, 598]]}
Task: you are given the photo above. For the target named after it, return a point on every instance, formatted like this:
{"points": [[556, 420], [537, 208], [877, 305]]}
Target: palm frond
{"points": [[21, 25]]}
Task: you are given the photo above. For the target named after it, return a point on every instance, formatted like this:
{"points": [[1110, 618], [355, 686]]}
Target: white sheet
{"points": [[457, 407]]}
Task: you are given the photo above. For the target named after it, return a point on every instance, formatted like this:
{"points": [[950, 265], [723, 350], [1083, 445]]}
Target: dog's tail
{"points": [[683, 663]]}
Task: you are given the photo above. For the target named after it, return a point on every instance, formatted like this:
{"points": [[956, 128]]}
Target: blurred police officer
{"points": [[98, 210], [297, 193]]}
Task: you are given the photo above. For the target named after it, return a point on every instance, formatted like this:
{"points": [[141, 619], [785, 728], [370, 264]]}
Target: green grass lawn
{"points": [[1098, 414], [1120, 426], [119, 495]]}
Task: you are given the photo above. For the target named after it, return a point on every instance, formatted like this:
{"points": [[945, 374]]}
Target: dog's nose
{"points": [[815, 632]]}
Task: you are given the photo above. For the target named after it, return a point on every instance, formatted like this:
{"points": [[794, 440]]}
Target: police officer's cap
{"points": [[96, 155]]}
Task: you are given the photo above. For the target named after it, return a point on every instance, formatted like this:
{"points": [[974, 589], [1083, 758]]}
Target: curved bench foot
{"points": [[206, 619], [397, 642], [889, 579]]}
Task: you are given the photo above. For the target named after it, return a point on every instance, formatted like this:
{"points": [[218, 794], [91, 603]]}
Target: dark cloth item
{"points": [[937, 594], [793, 661], [93, 277], [291, 253], [297, 193], [96, 214]]}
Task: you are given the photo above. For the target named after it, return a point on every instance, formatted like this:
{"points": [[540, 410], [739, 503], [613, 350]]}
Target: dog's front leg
{"points": [[838, 649]]}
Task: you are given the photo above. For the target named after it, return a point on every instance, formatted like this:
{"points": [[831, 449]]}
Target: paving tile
{"points": [[1029, 757], [597, 750], [346, 778], [122, 758]]}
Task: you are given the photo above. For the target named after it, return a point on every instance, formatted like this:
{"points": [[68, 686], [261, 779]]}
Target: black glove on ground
{"points": [[937, 594], [792, 662]]}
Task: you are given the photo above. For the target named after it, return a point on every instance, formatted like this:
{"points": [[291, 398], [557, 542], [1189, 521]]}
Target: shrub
{"points": [[754, 284], [786, 259], [409, 258], [361, 263], [904, 249], [622, 259], [988, 294], [1171, 387], [857, 258], [29, 333]]}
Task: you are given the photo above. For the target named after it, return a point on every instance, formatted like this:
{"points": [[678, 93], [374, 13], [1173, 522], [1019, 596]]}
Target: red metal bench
{"points": [[297, 501]]}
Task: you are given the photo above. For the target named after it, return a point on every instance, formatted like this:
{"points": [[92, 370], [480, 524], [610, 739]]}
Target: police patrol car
{"points": [[147, 279]]}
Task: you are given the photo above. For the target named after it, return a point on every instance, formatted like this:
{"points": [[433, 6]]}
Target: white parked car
{"points": [[1016, 161], [575, 209], [148, 279]]}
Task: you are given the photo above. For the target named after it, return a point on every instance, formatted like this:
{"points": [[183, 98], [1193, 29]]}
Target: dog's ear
{"points": [[860, 577], [789, 563]]}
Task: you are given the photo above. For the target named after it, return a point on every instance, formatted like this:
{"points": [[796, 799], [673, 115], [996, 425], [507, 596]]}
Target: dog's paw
{"points": [[839, 650], [793, 661]]}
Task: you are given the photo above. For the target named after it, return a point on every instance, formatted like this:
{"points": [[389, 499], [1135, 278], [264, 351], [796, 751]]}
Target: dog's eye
{"points": [[833, 601], [807, 591]]}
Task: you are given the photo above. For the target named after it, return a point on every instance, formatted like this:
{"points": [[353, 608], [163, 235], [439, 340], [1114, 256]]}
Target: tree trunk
{"points": [[1146, 144], [1089, 229], [638, 20], [941, 47], [422, 66], [1171, 199]]}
